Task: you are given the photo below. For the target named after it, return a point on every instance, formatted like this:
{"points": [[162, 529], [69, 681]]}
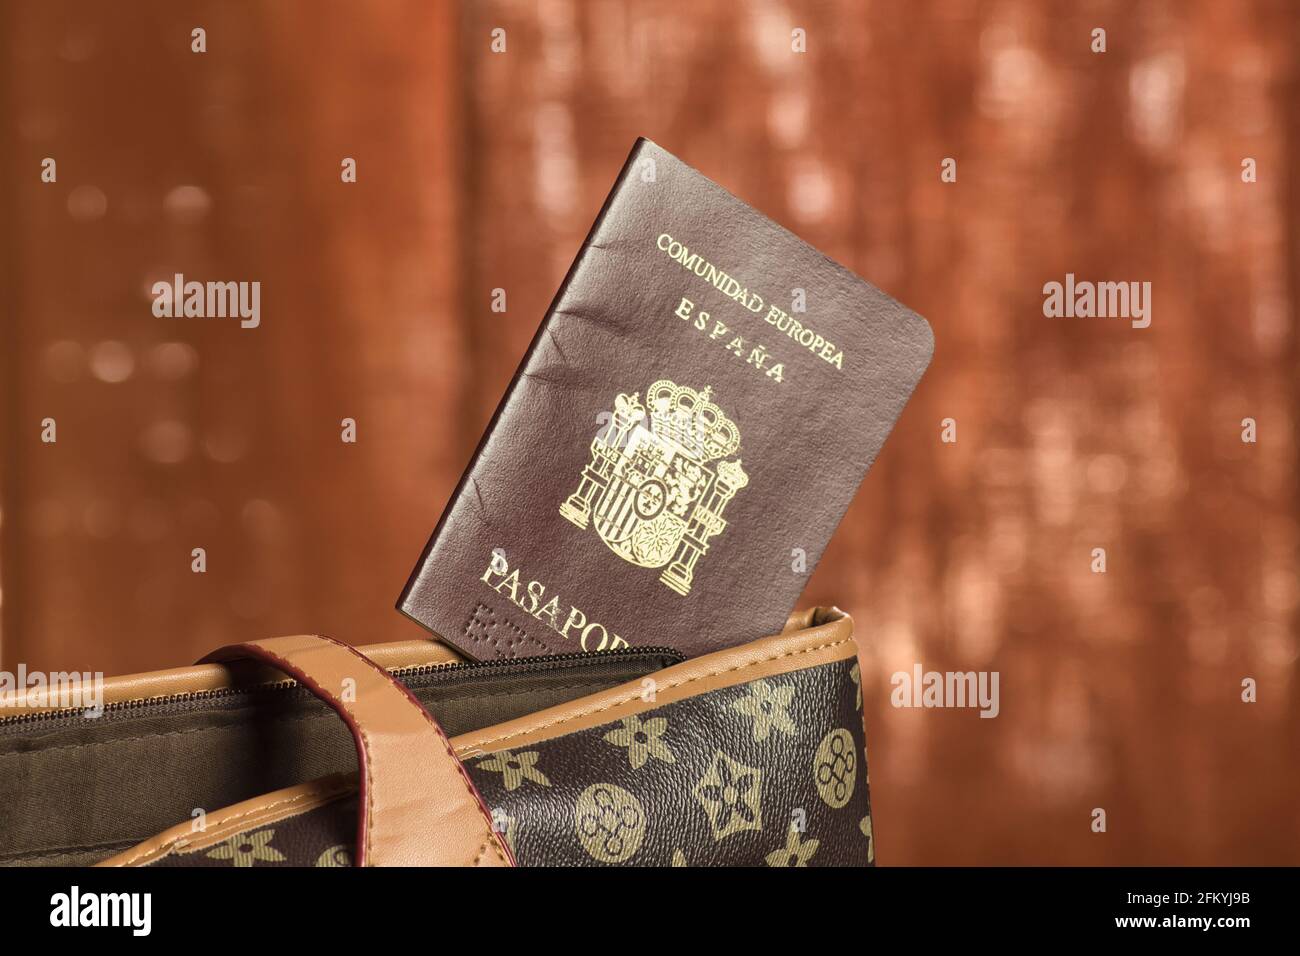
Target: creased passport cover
{"points": [[684, 434]]}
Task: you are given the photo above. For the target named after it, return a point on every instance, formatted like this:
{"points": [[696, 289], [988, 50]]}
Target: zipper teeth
{"points": [[414, 670]]}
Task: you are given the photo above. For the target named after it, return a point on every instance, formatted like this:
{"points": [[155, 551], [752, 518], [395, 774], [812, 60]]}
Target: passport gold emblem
{"points": [[652, 489]]}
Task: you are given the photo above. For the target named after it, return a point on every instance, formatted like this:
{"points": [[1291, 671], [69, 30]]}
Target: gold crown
{"points": [[687, 418]]}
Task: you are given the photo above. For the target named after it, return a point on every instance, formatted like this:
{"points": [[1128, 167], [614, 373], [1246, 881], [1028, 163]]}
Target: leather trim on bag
{"points": [[823, 643], [237, 818], [153, 685]]}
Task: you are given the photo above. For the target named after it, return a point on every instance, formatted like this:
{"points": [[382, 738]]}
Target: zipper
{"points": [[516, 666]]}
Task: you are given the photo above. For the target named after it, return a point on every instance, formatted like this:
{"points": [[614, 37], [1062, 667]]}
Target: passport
{"points": [[681, 439]]}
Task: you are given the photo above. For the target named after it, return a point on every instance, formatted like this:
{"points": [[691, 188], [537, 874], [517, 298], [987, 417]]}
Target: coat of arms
{"points": [[652, 489]]}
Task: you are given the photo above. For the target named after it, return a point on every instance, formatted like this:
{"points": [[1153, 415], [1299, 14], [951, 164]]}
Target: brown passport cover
{"points": [[679, 442]]}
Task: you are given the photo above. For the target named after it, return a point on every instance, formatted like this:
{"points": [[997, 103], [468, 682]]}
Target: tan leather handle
{"points": [[417, 805]]}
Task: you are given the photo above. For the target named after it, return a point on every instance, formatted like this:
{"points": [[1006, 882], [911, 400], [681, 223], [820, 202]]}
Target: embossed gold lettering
{"points": [[590, 635]]}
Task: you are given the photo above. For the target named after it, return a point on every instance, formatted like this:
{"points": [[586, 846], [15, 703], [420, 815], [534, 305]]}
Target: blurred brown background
{"points": [[479, 170]]}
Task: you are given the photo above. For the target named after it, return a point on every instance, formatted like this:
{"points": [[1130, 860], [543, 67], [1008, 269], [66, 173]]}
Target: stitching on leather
{"points": [[475, 797], [50, 853], [496, 842], [357, 722], [633, 696], [370, 793], [164, 848], [269, 685]]}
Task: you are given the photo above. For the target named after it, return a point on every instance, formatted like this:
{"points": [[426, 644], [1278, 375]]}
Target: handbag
{"points": [[303, 751]]}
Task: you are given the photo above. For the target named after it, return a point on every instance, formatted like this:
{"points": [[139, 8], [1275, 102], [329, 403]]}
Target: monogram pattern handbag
{"points": [[752, 755]]}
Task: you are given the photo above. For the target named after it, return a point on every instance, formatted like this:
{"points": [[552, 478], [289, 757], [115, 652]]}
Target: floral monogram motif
{"points": [[718, 778], [335, 856], [731, 794], [835, 768], [855, 675], [796, 852], [245, 849], [515, 768], [767, 707], [610, 822], [643, 740]]}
